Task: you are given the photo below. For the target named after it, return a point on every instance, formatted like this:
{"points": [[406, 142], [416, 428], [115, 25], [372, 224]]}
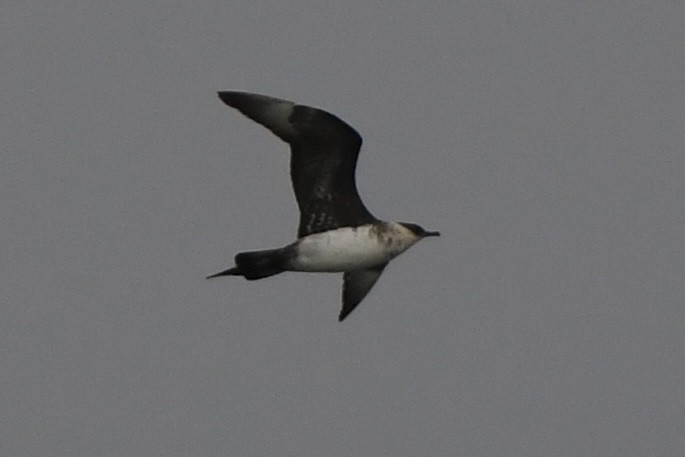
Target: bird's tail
{"points": [[256, 264]]}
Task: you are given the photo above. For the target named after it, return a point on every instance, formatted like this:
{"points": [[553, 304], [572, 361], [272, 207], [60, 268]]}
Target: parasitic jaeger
{"points": [[336, 232]]}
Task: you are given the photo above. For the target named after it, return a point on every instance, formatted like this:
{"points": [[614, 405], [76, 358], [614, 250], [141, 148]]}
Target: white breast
{"points": [[348, 249]]}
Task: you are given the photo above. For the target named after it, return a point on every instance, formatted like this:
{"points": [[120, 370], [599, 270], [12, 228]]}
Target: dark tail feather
{"points": [[229, 272], [256, 264]]}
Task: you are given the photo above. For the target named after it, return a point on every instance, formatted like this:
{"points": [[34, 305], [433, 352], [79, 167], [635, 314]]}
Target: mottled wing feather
{"points": [[356, 284], [324, 151]]}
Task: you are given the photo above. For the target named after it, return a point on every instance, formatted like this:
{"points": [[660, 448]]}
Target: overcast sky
{"points": [[543, 139]]}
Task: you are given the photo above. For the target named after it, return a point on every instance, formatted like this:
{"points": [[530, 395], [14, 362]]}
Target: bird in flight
{"points": [[336, 232]]}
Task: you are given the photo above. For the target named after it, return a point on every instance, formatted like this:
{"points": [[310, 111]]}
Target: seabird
{"points": [[336, 232]]}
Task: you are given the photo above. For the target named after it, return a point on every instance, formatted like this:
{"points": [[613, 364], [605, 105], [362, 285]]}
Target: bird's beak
{"points": [[431, 234]]}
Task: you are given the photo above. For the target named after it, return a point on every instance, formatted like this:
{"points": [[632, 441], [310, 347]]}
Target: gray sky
{"points": [[543, 139]]}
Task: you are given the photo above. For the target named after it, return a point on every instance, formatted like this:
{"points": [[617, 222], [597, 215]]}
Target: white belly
{"points": [[345, 249]]}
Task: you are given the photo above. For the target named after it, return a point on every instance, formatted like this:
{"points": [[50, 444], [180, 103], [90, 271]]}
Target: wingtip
{"points": [[344, 313], [225, 96], [233, 98]]}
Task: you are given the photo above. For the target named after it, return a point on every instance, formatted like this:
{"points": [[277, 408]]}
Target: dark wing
{"points": [[323, 161], [356, 284]]}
